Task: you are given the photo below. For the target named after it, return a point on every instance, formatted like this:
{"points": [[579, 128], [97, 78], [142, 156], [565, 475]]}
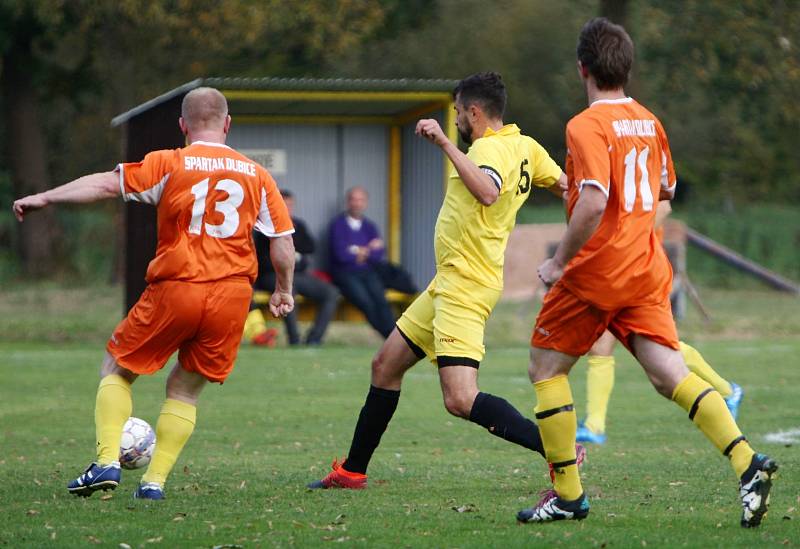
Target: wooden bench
{"points": [[346, 311]]}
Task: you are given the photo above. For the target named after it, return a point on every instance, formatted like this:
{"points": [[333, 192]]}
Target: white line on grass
{"points": [[783, 437]]}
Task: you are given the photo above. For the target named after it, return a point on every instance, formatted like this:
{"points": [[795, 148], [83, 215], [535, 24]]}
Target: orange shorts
{"points": [[571, 326], [204, 321]]}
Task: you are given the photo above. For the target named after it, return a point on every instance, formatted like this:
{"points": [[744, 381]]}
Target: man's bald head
{"points": [[204, 109]]}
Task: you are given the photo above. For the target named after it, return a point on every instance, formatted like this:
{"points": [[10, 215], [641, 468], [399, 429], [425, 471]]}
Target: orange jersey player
{"points": [[209, 199], [610, 272], [619, 141]]}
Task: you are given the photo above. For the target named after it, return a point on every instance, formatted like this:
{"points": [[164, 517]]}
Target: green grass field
{"points": [[436, 481]]}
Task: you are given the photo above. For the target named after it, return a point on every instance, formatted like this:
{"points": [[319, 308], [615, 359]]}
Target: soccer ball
{"points": [[137, 443]]}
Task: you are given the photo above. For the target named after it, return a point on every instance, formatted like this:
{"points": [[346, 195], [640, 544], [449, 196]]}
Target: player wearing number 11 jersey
{"points": [[610, 272], [209, 199]]}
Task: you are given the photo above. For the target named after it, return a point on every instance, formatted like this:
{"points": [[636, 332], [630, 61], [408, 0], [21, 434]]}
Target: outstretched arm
{"points": [[476, 180], [88, 188], [281, 253]]}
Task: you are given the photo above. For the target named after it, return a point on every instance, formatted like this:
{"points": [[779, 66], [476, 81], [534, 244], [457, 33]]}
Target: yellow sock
{"points": [[697, 364], [599, 384], [254, 324], [112, 409], [555, 414], [174, 427], [708, 411]]}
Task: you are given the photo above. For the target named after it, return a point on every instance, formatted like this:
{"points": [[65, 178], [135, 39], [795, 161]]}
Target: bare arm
{"points": [[663, 210], [479, 184], [584, 221], [88, 188], [281, 253]]}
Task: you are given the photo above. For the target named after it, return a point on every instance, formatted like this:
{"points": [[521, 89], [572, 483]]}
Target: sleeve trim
{"points": [[120, 168], [593, 183], [274, 235], [491, 172], [150, 196]]}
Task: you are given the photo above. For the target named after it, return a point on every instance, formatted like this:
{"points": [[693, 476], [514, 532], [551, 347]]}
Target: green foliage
{"points": [[768, 235], [725, 78]]}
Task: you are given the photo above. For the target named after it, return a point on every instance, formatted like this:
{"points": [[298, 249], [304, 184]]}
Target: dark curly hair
{"points": [[486, 89]]}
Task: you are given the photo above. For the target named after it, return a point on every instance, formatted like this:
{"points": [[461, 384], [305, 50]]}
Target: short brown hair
{"points": [[606, 50]]}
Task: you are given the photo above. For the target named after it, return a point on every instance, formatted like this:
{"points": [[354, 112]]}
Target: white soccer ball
{"points": [[137, 443]]}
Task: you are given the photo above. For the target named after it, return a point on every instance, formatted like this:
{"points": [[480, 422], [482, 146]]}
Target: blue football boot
{"points": [[96, 477], [584, 434], [733, 400], [149, 490]]}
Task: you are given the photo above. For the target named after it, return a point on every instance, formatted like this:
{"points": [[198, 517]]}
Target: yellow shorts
{"points": [[446, 322]]}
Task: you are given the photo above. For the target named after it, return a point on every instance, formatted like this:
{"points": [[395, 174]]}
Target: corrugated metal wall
{"points": [[422, 187], [322, 162]]}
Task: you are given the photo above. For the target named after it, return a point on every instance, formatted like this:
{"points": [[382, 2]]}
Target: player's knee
{"points": [[381, 369], [663, 384], [378, 364], [183, 385], [110, 367], [458, 404], [663, 388]]}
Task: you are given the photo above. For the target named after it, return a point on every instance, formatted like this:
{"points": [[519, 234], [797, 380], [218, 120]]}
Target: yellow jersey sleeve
{"points": [[491, 160], [545, 171]]}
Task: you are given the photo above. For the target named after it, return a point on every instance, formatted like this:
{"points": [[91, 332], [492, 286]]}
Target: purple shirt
{"points": [[341, 237]]}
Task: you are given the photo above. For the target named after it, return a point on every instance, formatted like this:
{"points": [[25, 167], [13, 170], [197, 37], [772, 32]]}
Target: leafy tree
{"points": [[726, 76], [67, 67]]}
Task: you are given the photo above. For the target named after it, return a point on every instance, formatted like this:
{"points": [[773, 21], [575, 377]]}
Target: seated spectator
{"points": [[325, 295], [356, 248]]}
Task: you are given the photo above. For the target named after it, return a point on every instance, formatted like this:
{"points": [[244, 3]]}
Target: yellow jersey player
{"points": [[446, 322]]}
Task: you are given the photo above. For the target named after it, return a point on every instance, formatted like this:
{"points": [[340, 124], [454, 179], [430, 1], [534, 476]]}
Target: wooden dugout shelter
{"points": [[318, 138]]}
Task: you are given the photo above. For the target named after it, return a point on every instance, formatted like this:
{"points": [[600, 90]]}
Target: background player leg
{"points": [[388, 367], [599, 384], [175, 425], [731, 392], [707, 409], [463, 399]]}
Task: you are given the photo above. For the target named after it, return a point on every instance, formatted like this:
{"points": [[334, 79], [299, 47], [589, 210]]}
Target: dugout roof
{"points": [[318, 99]]}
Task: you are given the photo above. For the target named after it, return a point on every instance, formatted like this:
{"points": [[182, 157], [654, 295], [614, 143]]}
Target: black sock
{"points": [[504, 421], [372, 422]]}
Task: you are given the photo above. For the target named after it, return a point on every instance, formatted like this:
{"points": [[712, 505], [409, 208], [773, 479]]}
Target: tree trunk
{"points": [[618, 11], [38, 235], [615, 10]]}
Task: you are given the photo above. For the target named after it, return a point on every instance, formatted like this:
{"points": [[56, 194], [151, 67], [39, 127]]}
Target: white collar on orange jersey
{"points": [[611, 101], [210, 144]]}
